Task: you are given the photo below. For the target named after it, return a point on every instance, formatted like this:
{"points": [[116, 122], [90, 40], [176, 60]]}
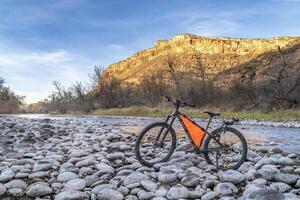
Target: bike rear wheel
{"points": [[150, 149], [231, 154]]}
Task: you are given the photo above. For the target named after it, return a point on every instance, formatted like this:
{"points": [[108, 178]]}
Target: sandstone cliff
{"points": [[228, 58]]}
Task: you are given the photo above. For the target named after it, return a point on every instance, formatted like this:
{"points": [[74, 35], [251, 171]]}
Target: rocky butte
{"points": [[229, 58]]}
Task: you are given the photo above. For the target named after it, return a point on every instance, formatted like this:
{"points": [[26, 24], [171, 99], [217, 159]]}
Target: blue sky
{"points": [[46, 40]]}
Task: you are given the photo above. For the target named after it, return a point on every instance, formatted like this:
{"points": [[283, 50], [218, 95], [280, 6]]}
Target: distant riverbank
{"points": [[284, 118], [287, 118]]}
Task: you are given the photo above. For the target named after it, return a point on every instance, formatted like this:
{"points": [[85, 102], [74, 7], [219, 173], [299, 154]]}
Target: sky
{"points": [[46, 40]]}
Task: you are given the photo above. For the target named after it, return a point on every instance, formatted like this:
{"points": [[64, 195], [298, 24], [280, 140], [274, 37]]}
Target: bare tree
{"points": [[175, 76], [59, 90], [9, 101], [79, 90], [1, 82], [153, 87], [200, 68], [96, 76], [281, 84]]}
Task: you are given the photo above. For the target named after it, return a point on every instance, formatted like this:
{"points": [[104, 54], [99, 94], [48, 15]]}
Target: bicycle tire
{"points": [[142, 134], [242, 140]]}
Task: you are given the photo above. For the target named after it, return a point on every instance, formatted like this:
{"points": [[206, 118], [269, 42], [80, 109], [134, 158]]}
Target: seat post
{"points": [[210, 118]]}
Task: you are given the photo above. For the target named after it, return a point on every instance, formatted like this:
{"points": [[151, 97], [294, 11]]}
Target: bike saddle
{"points": [[211, 114]]}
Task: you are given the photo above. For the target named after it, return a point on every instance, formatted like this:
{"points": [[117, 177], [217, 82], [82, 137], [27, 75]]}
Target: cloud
{"points": [[116, 47], [210, 20], [213, 28], [15, 60], [31, 74]]}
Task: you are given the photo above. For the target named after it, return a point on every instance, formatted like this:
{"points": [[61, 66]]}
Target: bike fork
{"points": [[160, 144]]}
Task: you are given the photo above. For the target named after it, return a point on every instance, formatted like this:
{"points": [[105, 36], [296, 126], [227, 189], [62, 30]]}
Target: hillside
{"points": [[228, 58], [226, 73]]}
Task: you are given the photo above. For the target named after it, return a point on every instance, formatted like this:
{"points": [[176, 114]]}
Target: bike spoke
{"points": [[227, 155], [154, 151]]}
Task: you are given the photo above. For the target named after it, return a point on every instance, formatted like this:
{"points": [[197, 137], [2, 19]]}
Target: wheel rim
{"points": [[150, 150], [230, 154]]}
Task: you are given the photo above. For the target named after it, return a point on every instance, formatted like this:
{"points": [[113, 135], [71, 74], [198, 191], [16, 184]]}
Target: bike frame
{"points": [[176, 115]]}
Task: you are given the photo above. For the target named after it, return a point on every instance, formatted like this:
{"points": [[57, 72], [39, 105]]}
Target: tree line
{"points": [[280, 90], [9, 101]]}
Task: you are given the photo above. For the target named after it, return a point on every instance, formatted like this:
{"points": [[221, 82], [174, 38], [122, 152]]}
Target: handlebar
{"points": [[178, 102]]}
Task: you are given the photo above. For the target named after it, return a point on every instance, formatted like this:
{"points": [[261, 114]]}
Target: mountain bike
{"points": [[224, 147]]}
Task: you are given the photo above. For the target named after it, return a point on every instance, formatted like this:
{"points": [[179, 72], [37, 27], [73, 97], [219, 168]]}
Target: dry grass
{"points": [[163, 111]]}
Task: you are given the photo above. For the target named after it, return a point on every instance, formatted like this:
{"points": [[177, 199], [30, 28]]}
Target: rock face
{"points": [[215, 54], [85, 160]]}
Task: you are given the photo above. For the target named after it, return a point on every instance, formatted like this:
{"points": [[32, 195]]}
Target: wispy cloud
{"points": [[209, 22], [16, 60], [213, 27], [31, 74]]}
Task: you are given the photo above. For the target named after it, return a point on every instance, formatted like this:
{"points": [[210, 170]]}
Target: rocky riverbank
{"points": [[78, 159]]}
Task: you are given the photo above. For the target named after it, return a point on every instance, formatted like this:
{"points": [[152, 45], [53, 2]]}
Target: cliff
{"points": [[229, 57]]}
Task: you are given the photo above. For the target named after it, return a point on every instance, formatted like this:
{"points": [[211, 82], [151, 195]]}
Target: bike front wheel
{"points": [[229, 152], [152, 147]]}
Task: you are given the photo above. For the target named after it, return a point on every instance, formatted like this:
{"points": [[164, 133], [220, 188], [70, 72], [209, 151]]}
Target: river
{"points": [[287, 139]]}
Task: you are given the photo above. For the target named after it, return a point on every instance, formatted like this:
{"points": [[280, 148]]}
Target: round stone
{"points": [[225, 188], [145, 195], [16, 184], [231, 176], [7, 175], [267, 172], [167, 176], [135, 177], [298, 184], [38, 190], [210, 196], [260, 182], [108, 193], [285, 161], [286, 178], [85, 163], [104, 168], [149, 185], [16, 192], [162, 191], [72, 195], [75, 184], [40, 174], [115, 156], [42, 166], [178, 192], [264, 193], [281, 187], [2, 189], [292, 155], [66, 176], [98, 188], [190, 180]]}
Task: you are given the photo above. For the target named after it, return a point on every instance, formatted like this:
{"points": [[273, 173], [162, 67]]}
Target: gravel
{"points": [[70, 158]]}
